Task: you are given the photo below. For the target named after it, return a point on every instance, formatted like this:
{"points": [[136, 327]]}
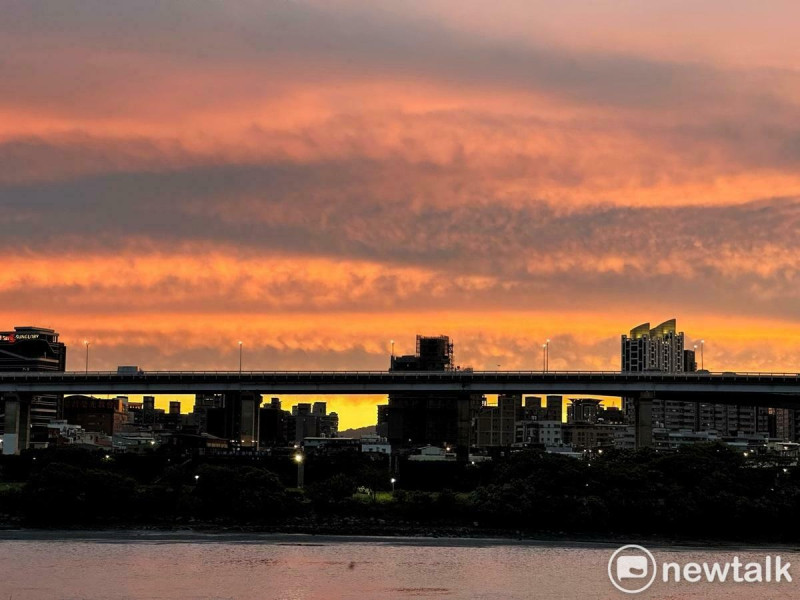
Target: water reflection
{"points": [[122, 566]]}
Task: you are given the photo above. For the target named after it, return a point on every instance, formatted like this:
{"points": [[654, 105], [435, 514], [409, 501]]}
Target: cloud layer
{"points": [[318, 178]]}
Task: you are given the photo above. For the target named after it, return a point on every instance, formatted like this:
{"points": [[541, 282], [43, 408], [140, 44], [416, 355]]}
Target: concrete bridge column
{"points": [[17, 424], [643, 412], [466, 409]]}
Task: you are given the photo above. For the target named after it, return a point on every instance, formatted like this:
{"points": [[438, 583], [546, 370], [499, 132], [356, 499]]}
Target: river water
{"points": [[165, 566]]}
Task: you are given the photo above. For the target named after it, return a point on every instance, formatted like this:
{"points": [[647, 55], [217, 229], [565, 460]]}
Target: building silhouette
{"points": [[438, 419], [273, 425], [661, 348], [236, 420], [382, 424], [202, 404], [583, 410], [496, 425], [29, 349], [312, 421], [653, 349], [102, 415]]}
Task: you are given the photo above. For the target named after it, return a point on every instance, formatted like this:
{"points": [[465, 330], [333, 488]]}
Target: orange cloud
{"points": [[319, 178]]}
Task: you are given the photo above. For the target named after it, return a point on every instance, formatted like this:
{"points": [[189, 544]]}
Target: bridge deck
{"points": [[612, 383]]}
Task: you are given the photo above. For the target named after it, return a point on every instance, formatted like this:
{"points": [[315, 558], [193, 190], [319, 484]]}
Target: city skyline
{"points": [[316, 179], [359, 410]]}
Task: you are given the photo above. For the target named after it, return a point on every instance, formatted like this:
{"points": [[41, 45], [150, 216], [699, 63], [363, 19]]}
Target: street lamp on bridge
{"points": [[240, 357], [547, 355], [86, 343], [702, 346]]}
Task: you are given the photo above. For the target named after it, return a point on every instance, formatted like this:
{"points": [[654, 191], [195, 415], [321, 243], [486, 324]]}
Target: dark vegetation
{"points": [[700, 492]]}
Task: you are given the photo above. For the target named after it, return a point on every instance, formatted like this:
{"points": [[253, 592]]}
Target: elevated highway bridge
{"points": [[752, 389], [608, 383]]}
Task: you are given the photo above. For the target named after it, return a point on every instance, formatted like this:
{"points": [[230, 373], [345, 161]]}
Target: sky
{"points": [[317, 178]]}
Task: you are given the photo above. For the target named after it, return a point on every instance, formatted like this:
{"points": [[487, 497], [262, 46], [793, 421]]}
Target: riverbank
{"points": [[378, 532], [450, 538]]}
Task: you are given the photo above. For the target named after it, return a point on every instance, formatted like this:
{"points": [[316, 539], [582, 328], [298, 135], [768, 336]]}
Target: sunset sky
{"points": [[316, 178]]}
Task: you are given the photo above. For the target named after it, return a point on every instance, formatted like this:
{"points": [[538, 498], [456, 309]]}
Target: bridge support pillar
{"points": [[466, 409], [643, 411], [17, 430]]}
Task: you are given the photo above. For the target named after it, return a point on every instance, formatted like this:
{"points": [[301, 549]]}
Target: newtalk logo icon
{"points": [[633, 569]]}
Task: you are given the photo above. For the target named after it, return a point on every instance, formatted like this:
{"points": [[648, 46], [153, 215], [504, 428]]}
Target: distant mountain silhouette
{"points": [[358, 432]]}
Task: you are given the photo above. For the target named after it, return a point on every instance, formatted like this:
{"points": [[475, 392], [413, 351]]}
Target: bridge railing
{"points": [[78, 375]]}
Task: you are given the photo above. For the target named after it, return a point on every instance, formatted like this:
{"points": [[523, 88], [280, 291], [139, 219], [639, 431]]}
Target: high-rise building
{"points": [[202, 404], [32, 349], [29, 349], [433, 354], [437, 419], [101, 415], [495, 425], [272, 425], [382, 426], [658, 348], [312, 421], [237, 419], [653, 349], [583, 410], [661, 349], [689, 361], [554, 409], [732, 420], [787, 424], [249, 403]]}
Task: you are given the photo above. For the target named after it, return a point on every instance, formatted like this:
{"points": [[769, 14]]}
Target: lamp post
{"points": [[298, 458], [86, 343], [392, 343], [547, 355], [544, 358], [393, 481], [702, 362], [240, 357]]}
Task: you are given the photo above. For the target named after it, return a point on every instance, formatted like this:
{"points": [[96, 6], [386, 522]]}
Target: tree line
{"points": [[702, 491]]}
